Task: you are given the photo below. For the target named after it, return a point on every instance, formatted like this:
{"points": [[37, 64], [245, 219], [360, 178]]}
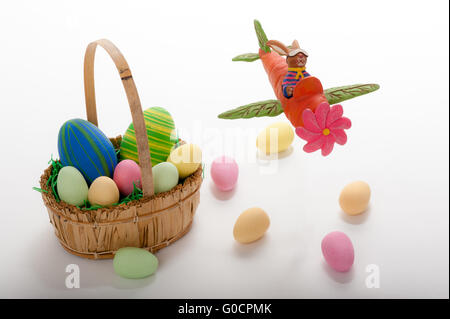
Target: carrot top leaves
{"points": [[262, 38]]}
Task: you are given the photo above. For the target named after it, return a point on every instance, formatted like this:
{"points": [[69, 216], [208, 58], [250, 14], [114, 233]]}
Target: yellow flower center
{"points": [[326, 132]]}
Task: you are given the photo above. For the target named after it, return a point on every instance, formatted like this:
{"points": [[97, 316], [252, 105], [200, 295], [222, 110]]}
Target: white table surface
{"points": [[180, 54]]}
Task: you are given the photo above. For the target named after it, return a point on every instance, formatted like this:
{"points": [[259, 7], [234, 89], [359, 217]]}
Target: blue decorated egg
{"points": [[82, 145]]}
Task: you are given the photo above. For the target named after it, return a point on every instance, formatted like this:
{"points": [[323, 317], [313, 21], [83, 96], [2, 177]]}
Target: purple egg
{"points": [[338, 251]]}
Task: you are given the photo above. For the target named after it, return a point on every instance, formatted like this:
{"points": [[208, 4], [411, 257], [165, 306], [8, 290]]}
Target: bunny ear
{"points": [[295, 45], [278, 47]]}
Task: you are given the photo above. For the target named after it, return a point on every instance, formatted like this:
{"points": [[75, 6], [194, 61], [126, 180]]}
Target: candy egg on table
{"points": [[275, 138], [224, 173], [134, 263], [338, 251], [71, 186], [126, 173], [186, 158], [354, 198], [160, 132], [251, 225], [103, 191], [82, 145], [165, 177]]}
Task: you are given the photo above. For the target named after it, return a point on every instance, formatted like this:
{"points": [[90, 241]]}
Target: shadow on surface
{"points": [[220, 195], [249, 250], [261, 156], [357, 219], [339, 277]]}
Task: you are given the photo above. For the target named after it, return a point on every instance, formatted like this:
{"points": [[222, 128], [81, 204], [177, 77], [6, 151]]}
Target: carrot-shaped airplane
{"points": [[299, 95]]}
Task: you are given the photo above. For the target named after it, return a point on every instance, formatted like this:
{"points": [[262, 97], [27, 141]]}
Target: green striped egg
{"points": [[160, 132], [81, 144]]}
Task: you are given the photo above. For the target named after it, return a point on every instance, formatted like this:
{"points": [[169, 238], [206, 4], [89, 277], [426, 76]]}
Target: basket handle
{"points": [[133, 100]]}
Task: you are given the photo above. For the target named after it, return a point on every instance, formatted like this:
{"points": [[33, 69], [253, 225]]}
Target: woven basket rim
{"points": [[62, 206], [48, 196]]}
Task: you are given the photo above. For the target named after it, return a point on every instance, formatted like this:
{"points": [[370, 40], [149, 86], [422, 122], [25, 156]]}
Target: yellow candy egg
{"points": [[355, 198], [275, 138], [251, 225], [186, 158], [103, 192]]}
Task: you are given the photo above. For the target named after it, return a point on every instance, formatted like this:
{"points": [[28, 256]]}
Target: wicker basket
{"points": [[154, 221]]}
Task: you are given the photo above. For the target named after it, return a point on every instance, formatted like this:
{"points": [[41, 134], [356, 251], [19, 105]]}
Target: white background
{"points": [[180, 54]]}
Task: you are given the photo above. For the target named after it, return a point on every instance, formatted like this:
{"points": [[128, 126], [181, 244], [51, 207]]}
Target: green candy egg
{"points": [[160, 132], [165, 177], [71, 186], [134, 263]]}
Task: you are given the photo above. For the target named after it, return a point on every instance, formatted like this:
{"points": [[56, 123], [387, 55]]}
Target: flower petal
{"points": [[342, 123], [314, 145], [340, 136], [321, 114], [305, 134], [309, 121], [328, 145], [336, 112]]}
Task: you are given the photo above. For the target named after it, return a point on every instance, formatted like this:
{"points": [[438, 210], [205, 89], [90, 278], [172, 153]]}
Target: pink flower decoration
{"points": [[323, 128]]}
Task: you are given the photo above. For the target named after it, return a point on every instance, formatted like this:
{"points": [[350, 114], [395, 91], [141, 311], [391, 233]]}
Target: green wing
{"points": [[342, 93], [274, 108], [246, 57], [258, 109]]}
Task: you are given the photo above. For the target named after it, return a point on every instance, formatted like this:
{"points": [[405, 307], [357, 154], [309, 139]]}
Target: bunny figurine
{"points": [[299, 95], [296, 60]]}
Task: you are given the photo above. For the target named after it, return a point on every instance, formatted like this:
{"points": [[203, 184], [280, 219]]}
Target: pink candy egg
{"points": [[127, 172], [224, 173], [338, 251]]}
